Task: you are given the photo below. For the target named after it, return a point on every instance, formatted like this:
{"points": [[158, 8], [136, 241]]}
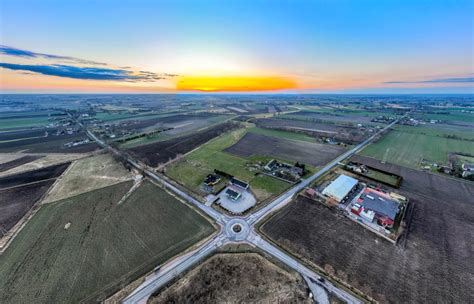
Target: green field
{"points": [[453, 116], [16, 123], [105, 247], [192, 170], [407, 146]]}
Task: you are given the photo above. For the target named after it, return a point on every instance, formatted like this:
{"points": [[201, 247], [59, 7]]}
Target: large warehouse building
{"points": [[340, 187]]}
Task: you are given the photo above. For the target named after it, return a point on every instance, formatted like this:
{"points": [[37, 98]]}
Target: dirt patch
{"points": [[235, 278], [310, 153], [164, 151], [435, 263]]}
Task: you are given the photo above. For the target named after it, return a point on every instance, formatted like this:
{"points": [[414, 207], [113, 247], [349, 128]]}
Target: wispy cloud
{"points": [[436, 80], [71, 67], [90, 73], [11, 51]]}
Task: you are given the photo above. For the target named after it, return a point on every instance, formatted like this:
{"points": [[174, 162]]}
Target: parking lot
{"points": [[243, 203]]}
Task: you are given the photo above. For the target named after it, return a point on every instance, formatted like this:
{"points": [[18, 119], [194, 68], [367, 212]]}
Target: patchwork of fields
{"points": [[164, 151], [85, 248], [192, 170]]}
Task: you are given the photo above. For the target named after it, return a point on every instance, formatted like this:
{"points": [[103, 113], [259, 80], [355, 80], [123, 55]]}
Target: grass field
{"points": [[192, 170], [105, 247], [408, 146], [17, 123], [88, 174]]}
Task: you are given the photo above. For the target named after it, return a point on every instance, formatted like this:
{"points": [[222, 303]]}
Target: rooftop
{"points": [[340, 187], [380, 203]]}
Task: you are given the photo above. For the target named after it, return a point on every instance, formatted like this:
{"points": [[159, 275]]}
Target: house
{"points": [[383, 207], [340, 187], [468, 167], [212, 179], [232, 194], [239, 183]]}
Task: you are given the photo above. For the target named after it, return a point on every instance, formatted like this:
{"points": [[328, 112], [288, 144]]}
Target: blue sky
{"points": [[323, 45]]}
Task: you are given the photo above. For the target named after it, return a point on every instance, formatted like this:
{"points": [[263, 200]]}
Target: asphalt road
{"points": [[227, 234]]}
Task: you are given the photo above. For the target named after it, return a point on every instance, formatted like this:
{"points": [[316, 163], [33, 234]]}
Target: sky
{"points": [[331, 46]]}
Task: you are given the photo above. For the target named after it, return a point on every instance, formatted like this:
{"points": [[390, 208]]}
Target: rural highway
{"points": [[172, 269]]}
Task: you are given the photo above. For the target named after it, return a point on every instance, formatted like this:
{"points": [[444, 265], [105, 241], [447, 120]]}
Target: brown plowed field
{"points": [[164, 151], [434, 265], [18, 162], [15, 202], [309, 153], [32, 176]]}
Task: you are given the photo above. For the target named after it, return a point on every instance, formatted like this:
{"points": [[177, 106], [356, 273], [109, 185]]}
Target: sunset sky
{"points": [[331, 46]]}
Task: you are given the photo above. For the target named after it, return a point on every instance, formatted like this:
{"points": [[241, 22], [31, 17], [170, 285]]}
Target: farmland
{"points": [[32, 176], [164, 151], [173, 126], [43, 160], [18, 162], [13, 123], [50, 144], [192, 170], [309, 153], [319, 116], [84, 248], [431, 264], [15, 202], [409, 146], [236, 278], [339, 132], [88, 174]]}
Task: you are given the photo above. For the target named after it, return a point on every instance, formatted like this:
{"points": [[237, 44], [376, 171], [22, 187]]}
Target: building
{"points": [[311, 193], [377, 205], [340, 187], [232, 194], [212, 179], [239, 183]]}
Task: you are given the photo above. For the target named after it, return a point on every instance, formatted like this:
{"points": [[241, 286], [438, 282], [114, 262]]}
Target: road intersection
{"points": [[236, 229]]}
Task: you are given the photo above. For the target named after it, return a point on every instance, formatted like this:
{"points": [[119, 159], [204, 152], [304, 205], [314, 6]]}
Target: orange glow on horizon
{"points": [[234, 83]]}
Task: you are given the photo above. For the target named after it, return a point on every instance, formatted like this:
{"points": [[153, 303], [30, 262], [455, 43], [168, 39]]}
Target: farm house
{"points": [[376, 205]]}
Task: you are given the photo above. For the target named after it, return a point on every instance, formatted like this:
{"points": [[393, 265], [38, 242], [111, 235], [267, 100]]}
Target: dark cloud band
{"points": [[89, 73], [65, 66]]}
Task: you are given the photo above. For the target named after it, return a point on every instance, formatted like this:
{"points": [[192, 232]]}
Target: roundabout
{"points": [[237, 229]]}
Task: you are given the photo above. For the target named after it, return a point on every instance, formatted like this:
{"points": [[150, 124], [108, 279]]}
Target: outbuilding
{"points": [[340, 187]]}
